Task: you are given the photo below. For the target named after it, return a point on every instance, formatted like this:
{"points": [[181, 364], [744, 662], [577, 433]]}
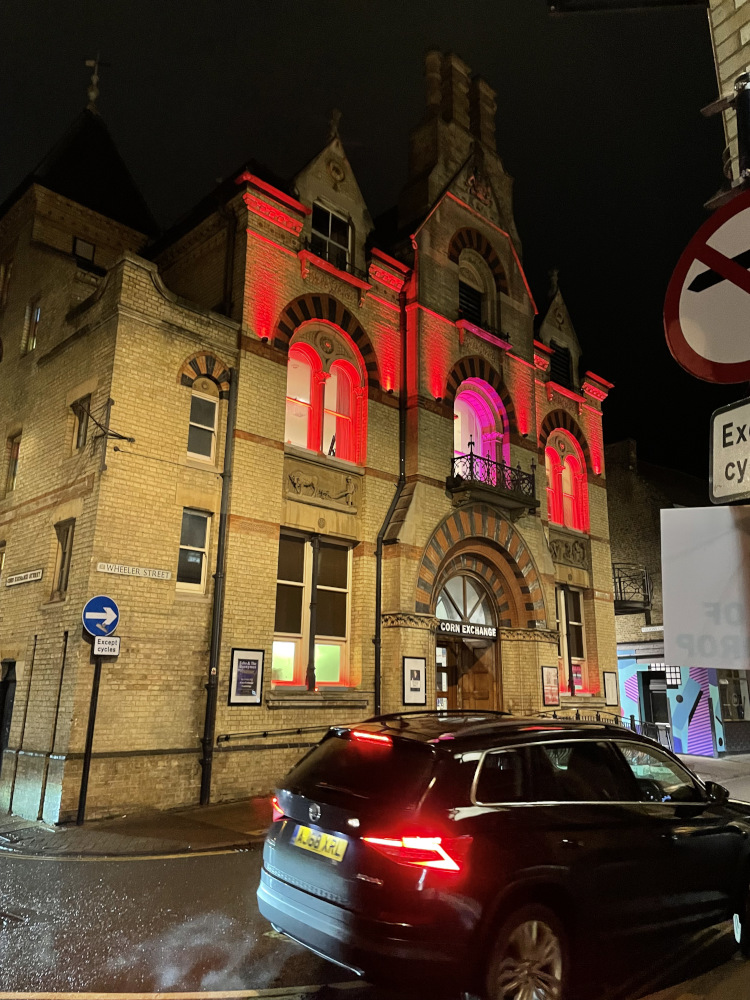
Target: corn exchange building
{"points": [[324, 467]]}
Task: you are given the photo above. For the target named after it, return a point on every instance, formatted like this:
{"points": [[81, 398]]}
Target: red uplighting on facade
{"points": [[273, 214]]}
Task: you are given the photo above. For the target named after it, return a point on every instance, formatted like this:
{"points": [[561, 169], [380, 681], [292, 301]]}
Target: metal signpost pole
{"points": [[89, 741]]}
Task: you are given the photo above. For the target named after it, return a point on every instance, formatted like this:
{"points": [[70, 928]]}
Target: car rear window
{"points": [[348, 772]]}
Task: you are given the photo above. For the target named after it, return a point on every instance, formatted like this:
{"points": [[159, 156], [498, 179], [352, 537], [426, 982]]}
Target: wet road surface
{"points": [[191, 924]]}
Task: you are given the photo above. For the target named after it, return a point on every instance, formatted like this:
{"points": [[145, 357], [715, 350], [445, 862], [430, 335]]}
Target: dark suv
{"points": [[488, 854]]}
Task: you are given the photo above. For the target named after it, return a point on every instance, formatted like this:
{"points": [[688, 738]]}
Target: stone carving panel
{"points": [[570, 551], [322, 485]]}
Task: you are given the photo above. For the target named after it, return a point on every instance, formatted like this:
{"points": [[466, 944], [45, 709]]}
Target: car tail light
{"points": [[436, 853], [376, 738], [276, 811]]}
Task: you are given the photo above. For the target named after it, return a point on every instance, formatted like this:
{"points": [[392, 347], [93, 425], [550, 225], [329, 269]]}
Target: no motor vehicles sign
{"points": [[707, 306]]}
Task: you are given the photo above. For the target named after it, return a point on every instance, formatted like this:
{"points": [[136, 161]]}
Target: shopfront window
{"points": [[733, 694]]}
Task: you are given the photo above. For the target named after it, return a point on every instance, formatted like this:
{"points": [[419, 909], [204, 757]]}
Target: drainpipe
{"points": [[310, 677], [231, 232], [212, 685], [394, 502]]}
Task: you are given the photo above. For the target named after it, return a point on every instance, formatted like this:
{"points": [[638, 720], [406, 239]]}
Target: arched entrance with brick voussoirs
{"points": [[326, 309], [477, 577]]}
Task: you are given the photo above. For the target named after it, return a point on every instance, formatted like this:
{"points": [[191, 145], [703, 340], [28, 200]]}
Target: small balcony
{"points": [[475, 477], [633, 589]]}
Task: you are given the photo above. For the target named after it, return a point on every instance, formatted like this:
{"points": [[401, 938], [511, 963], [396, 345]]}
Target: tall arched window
{"points": [[326, 397], [477, 294], [567, 491], [479, 416]]}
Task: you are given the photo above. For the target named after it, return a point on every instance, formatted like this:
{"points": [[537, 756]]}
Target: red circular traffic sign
{"points": [[707, 305]]}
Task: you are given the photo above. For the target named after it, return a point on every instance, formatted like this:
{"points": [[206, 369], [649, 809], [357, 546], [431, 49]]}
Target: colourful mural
{"points": [[691, 705]]}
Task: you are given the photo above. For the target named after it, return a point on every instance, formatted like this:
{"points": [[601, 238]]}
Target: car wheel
{"points": [[530, 958], [741, 924]]}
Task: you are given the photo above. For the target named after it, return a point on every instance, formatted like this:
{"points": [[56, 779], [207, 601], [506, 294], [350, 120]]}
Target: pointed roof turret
{"points": [[86, 167]]}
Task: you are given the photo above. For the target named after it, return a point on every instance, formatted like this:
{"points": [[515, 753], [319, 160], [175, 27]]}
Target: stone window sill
{"points": [[301, 698]]}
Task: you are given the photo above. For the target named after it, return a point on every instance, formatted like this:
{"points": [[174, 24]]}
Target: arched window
{"points": [[479, 416], [477, 294], [326, 397], [567, 491]]}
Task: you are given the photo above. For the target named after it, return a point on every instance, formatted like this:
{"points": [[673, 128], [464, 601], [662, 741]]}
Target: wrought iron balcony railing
{"points": [[633, 589], [659, 732], [472, 468], [335, 255]]}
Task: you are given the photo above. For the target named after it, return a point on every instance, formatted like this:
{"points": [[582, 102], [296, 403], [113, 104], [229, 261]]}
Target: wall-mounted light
{"points": [[389, 391], [264, 340], [438, 399]]}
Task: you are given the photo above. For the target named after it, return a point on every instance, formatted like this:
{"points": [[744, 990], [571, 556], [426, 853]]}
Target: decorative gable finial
{"points": [[554, 282], [333, 124], [93, 88]]}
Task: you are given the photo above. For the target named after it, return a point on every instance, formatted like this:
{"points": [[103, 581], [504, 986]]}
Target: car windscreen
{"points": [[359, 775]]}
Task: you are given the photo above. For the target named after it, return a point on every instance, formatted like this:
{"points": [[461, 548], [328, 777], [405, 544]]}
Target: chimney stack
{"points": [[483, 108], [447, 81]]}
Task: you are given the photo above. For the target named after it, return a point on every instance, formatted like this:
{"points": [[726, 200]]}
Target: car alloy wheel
{"points": [[529, 960]]}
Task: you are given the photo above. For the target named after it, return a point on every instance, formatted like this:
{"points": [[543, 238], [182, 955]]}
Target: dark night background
{"points": [[598, 121]]}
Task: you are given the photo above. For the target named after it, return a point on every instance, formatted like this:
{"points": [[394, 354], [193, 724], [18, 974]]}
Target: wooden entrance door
{"points": [[465, 677]]}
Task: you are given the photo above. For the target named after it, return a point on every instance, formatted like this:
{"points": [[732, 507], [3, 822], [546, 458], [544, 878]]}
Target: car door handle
{"points": [[669, 836], [565, 842]]}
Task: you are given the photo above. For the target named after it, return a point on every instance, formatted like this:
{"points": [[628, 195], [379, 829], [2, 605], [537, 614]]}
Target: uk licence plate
{"points": [[325, 844]]}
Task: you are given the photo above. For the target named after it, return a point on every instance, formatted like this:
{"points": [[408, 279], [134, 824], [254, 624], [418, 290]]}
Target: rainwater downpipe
{"points": [[394, 502], [212, 684]]}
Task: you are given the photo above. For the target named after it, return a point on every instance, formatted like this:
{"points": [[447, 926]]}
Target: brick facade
{"points": [[224, 297]]}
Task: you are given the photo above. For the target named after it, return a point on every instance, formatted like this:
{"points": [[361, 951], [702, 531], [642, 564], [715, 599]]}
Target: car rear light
{"points": [[363, 737], [276, 811], [437, 853]]}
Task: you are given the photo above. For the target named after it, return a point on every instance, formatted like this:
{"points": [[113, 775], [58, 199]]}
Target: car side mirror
{"points": [[717, 793]]}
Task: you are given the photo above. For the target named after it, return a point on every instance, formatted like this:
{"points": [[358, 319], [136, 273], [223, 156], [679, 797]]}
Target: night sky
{"points": [[598, 121]]}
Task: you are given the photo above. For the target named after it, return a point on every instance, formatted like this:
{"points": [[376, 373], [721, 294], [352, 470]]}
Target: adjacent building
{"points": [[325, 468]]}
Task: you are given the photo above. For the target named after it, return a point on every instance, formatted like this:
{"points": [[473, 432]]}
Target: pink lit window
{"points": [[567, 492], [326, 411]]}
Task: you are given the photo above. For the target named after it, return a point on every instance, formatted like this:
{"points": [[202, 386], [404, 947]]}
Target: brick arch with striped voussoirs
{"points": [[329, 310], [204, 365], [476, 367], [472, 239], [562, 419], [478, 565], [488, 526]]}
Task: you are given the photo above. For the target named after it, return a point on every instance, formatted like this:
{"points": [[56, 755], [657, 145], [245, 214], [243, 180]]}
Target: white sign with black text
{"points": [[30, 577], [118, 569], [467, 629], [730, 452], [106, 645]]}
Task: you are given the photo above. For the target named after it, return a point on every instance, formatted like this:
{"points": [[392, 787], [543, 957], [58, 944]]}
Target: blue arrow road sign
{"points": [[100, 615]]}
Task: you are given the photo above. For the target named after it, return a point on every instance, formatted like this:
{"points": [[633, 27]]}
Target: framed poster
{"points": [[550, 686], [415, 680], [246, 677], [610, 688]]}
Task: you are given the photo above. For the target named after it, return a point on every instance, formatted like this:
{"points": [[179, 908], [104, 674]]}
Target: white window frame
{"points": [[192, 423], [33, 319], [2, 559], [327, 239], [11, 473], [561, 619], [81, 409], [183, 585], [301, 639], [65, 531]]}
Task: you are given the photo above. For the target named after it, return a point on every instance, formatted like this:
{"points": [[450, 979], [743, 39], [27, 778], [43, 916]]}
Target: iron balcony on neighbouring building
{"points": [[633, 589], [473, 476]]}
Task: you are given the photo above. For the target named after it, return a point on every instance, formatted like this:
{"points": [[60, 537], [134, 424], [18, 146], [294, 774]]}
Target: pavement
{"points": [[154, 833], [732, 771]]}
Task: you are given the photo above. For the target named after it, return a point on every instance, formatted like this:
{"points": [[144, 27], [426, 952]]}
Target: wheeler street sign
{"points": [[100, 615], [106, 645], [729, 475], [707, 306]]}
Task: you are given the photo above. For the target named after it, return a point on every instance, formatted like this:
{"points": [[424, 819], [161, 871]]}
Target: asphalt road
{"points": [[191, 924]]}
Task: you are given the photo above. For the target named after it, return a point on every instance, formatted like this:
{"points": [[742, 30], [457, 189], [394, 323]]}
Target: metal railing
{"points": [[659, 732], [473, 468], [633, 588], [334, 255]]}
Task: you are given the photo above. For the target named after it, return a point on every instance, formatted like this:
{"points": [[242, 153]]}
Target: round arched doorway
{"points": [[467, 653]]}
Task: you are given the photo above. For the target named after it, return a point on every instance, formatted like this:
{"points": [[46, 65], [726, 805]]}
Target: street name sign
{"points": [[28, 577], [729, 475], [100, 615], [118, 569], [106, 645], [707, 306]]}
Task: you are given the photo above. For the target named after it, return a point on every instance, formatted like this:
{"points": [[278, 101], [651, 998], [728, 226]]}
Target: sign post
{"points": [[100, 617]]}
